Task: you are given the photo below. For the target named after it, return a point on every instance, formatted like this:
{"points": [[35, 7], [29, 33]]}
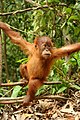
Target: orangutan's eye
{"points": [[35, 46]]}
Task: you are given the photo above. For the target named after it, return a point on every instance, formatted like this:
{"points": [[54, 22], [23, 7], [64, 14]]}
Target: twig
{"points": [[25, 83], [17, 29], [20, 99]]}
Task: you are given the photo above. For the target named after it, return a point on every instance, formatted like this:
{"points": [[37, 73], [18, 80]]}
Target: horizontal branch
{"points": [[24, 10], [30, 9], [12, 84], [20, 99], [51, 83], [25, 83]]}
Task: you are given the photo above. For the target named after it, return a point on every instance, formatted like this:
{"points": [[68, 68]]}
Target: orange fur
{"points": [[41, 56]]}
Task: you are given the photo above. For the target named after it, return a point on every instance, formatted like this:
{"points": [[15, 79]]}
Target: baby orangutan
{"points": [[41, 55]]}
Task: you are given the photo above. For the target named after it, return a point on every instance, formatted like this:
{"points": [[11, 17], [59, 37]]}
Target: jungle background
{"points": [[58, 19]]}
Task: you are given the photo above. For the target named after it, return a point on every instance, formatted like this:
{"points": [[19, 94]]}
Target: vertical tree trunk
{"points": [[5, 57], [0, 58], [0, 52], [4, 38]]}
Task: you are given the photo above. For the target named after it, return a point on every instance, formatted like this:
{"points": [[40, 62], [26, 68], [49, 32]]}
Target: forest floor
{"points": [[47, 109]]}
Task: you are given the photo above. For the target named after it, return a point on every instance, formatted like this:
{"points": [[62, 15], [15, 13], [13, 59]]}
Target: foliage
{"points": [[60, 21], [16, 91]]}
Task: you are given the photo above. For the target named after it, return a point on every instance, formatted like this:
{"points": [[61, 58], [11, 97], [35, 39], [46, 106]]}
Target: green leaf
{"points": [[73, 17], [42, 22], [62, 89], [51, 1], [77, 30], [78, 62], [72, 61], [1, 94], [52, 73], [36, 28], [65, 68], [63, 24], [16, 91], [22, 60], [76, 86], [68, 10], [53, 90], [70, 24], [77, 6]]}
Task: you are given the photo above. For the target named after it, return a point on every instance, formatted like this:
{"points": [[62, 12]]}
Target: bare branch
{"points": [[12, 84], [24, 10], [51, 83], [29, 9], [23, 83], [20, 99]]}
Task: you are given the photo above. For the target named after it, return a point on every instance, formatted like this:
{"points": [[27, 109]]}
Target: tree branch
{"points": [[23, 83], [24, 10], [20, 99], [29, 9]]}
